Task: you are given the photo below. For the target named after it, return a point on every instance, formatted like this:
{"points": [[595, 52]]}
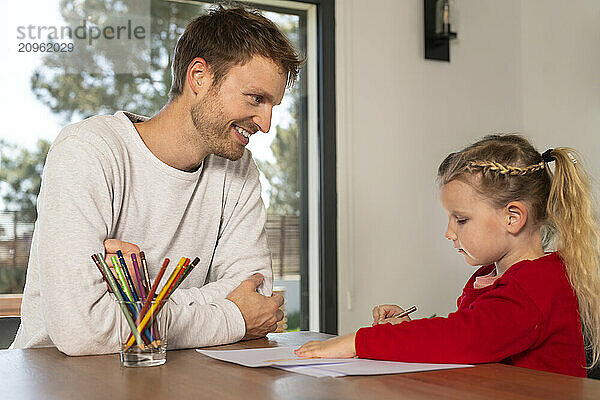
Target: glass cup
{"points": [[146, 346]]}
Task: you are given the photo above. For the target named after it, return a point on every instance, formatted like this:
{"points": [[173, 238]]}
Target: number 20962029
{"points": [[26, 47]]}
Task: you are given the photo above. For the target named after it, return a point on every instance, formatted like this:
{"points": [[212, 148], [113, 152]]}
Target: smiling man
{"points": [[178, 184]]}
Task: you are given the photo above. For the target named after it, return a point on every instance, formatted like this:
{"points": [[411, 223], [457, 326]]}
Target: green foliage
{"points": [[12, 280], [21, 177], [63, 84], [293, 321]]}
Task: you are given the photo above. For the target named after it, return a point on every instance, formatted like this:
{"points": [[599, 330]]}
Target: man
{"points": [[178, 184]]}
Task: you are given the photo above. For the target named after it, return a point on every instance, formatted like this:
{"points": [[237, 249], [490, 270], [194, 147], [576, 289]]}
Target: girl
{"points": [[523, 307]]}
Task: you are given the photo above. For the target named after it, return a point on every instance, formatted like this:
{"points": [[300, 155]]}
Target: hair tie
{"points": [[547, 157]]}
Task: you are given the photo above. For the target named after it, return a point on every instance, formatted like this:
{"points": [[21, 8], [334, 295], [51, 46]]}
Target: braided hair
{"points": [[506, 169], [502, 168]]}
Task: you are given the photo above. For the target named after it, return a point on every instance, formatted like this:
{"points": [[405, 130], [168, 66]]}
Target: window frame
{"points": [[327, 282]]}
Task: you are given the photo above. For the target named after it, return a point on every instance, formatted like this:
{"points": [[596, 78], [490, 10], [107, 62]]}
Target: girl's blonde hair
{"points": [[506, 168]]}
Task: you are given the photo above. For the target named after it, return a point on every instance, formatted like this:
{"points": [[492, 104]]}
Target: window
{"points": [[53, 87]]}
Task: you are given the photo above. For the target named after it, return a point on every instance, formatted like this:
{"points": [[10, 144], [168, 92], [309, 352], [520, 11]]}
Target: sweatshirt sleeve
{"points": [[241, 251], [501, 323], [74, 218]]}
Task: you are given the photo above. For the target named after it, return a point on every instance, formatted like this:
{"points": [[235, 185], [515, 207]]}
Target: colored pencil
{"points": [[171, 289], [138, 279], [406, 312], [122, 278], [181, 277], [174, 286], [127, 275], [103, 274], [152, 309], [151, 292], [184, 267], [188, 270], [160, 306], [147, 337], [145, 273], [153, 289], [99, 260]]}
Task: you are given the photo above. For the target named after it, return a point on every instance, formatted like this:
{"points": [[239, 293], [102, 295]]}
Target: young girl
{"points": [[523, 307]]}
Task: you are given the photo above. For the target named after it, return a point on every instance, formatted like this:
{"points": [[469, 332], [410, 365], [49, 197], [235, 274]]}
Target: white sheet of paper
{"points": [[376, 367], [367, 367], [310, 370], [264, 357]]}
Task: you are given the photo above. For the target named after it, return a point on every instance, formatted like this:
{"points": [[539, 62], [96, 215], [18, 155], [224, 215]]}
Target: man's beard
{"points": [[208, 118]]}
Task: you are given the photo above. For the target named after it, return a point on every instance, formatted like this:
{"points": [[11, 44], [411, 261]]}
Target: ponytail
{"points": [[570, 209]]}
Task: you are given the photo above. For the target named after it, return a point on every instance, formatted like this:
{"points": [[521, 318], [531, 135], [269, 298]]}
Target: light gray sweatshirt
{"points": [[100, 181]]}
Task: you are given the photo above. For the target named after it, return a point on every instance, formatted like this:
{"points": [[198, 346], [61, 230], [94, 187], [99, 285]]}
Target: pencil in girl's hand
{"points": [[406, 312]]}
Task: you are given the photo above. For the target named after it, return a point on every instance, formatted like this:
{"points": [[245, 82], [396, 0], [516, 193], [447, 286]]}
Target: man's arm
{"points": [[76, 207], [74, 217]]}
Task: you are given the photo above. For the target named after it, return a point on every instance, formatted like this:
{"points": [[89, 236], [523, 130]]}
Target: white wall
{"points": [[399, 115], [561, 75]]}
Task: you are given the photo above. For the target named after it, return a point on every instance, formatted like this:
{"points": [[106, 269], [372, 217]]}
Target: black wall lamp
{"points": [[438, 29]]}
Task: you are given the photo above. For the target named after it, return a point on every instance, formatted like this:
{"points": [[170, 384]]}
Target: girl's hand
{"points": [[339, 347], [384, 314]]}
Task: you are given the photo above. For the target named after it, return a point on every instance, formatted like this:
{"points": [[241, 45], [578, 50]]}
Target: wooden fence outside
{"points": [[283, 232]]}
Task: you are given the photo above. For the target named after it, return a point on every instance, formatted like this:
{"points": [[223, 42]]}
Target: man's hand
{"points": [[384, 314], [112, 245], [261, 313]]}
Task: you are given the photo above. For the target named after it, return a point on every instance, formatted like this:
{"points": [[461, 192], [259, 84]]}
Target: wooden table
{"points": [[49, 374]]}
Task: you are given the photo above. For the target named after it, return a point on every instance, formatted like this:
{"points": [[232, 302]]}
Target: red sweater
{"points": [[529, 317]]}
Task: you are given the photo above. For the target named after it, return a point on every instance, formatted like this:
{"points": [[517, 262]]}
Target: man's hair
{"points": [[228, 36]]}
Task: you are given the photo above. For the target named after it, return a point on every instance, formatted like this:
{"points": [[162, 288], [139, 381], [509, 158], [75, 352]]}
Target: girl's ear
{"points": [[516, 216]]}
